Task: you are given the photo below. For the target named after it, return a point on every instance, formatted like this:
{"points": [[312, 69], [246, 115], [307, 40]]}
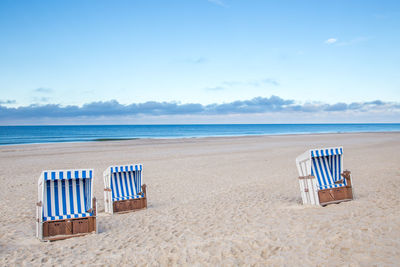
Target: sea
{"points": [[12, 135]]}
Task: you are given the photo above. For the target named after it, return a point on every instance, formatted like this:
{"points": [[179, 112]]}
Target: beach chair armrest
{"points": [[346, 175], [144, 187]]}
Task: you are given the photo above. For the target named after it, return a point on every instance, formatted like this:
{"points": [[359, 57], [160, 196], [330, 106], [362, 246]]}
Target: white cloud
{"points": [[354, 41], [331, 41], [198, 60], [271, 109], [255, 83], [7, 102], [43, 90], [218, 2], [217, 88]]}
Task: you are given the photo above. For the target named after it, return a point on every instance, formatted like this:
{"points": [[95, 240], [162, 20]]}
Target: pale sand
{"points": [[213, 201]]}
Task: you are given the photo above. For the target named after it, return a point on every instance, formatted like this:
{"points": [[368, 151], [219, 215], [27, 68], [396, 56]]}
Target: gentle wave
{"points": [[10, 135]]}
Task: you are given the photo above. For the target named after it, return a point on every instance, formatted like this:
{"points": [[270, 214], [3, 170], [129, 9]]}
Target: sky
{"points": [[199, 61]]}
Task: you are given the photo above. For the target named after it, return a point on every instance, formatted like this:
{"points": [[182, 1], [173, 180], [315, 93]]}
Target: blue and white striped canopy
{"points": [[326, 152], [67, 174], [126, 182], [126, 168], [327, 167], [67, 194]]}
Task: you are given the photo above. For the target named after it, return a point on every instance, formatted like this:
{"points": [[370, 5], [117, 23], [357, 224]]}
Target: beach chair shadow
{"points": [[66, 204], [123, 189], [321, 179]]}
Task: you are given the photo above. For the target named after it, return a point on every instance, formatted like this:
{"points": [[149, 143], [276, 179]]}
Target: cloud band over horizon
{"points": [[257, 105]]}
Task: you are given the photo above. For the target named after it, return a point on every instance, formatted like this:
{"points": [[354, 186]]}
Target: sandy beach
{"points": [[227, 201]]}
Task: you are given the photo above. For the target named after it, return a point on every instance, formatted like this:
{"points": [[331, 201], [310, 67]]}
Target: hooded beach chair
{"points": [[66, 205], [321, 178], [123, 189]]}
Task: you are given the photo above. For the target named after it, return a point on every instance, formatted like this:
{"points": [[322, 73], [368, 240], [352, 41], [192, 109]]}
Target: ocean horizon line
{"points": [[182, 124], [191, 137], [14, 135]]}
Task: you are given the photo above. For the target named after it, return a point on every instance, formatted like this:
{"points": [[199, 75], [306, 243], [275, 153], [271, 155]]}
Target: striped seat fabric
{"points": [[126, 182], [67, 194], [327, 167]]}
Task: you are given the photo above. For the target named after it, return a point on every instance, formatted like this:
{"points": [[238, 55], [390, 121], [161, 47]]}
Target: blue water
{"points": [[52, 134]]}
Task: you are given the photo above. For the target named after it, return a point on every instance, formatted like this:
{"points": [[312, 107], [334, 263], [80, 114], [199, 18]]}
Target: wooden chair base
{"points": [[335, 195], [123, 206], [67, 228], [129, 205]]}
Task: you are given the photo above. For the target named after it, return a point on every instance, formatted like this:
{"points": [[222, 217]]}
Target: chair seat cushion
{"points": [[69, 216], [332, 186], [128, 197]]}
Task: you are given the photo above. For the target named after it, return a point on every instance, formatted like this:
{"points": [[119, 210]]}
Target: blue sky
{"points": [[279, 61]]}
